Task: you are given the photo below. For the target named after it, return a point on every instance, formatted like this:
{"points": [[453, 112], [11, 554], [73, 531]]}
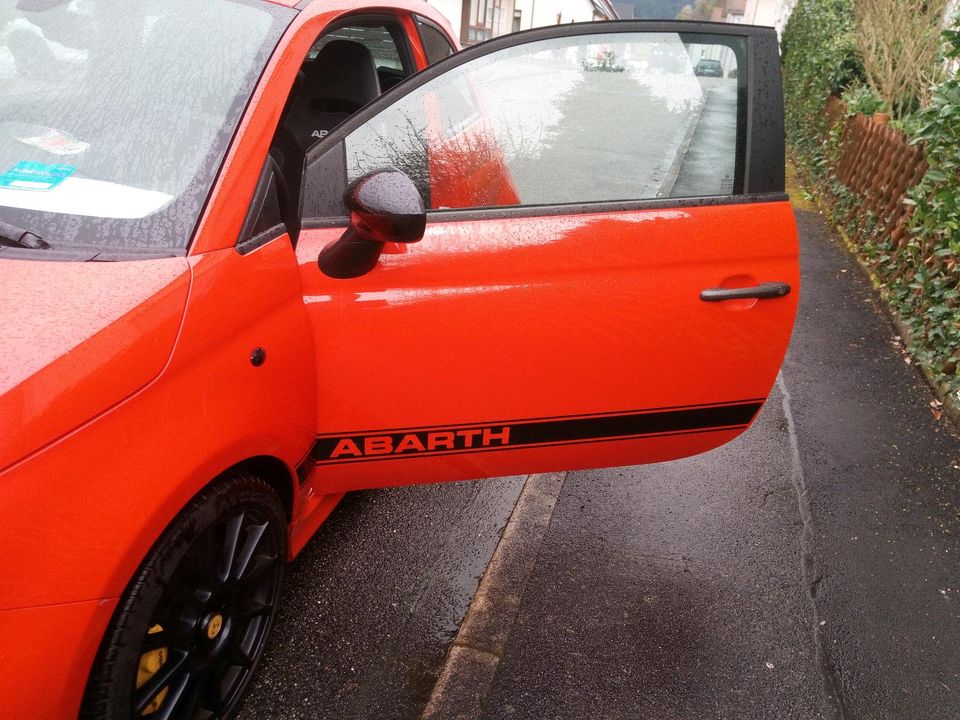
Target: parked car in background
{"points": [[708, 68]]}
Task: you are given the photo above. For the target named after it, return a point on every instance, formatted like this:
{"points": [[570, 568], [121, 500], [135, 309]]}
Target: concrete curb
{"points": [[673, 173], [474, 657]]}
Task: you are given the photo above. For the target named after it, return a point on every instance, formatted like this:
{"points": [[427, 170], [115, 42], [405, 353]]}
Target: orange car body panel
{"points": [[90, 505], [47, 651], [130, 406], [189, 425], [499, 322], [107, 334]]}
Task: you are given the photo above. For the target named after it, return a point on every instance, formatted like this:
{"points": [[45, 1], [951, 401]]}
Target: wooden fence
{"points": [[878, 165]]}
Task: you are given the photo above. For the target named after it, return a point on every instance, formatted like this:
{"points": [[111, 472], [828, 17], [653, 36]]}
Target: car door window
{"points": [[386, 43], [600, 118], [436, 46], [346, 68]]}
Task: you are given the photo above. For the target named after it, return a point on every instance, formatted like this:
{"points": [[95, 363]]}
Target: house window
{"points": [[482, 20], [517, 15]]}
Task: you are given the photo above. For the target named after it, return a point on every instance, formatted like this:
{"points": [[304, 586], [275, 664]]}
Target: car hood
{"points": [[77, 338]]}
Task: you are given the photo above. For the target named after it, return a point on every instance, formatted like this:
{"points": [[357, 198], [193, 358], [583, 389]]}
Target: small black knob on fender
{"points": [[258, 357]]}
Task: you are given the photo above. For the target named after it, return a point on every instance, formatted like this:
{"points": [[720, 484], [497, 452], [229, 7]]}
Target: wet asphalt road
{"points": [[807, 570], [372, 603]]}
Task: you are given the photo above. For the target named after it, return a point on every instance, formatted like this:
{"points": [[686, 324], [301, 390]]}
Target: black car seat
{"points": [[337, 83], [340, 80]]}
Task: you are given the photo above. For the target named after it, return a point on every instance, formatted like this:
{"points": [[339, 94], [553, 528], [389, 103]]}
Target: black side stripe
{"points": [[392, 444]]}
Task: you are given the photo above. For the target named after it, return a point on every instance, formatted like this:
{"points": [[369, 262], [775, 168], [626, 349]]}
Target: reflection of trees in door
{"points": [[559, 121], [451, 166]]}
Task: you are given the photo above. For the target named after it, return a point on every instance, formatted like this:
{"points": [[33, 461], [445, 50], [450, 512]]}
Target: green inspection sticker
{"points": [[27, 175]]}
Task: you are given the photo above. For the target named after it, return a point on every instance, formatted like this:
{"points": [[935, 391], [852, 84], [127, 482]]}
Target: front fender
{"points": [[77, 518]]}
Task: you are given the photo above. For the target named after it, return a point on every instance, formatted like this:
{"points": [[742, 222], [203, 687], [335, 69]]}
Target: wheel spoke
{"points": [[181, 593], [171, 702], [162, 678], [177, 592], [237, 656], [254, 533], [189, 699], [155, 641], [257, 565], [252, 608], [232, 537], [213, 690], [205, 558]]}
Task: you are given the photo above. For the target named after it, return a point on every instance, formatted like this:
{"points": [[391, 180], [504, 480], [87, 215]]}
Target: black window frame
{"points": [[264, 221], [760, 121]]}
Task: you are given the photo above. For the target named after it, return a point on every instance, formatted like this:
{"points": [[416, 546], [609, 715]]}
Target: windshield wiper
{"points": [[12, 236]]}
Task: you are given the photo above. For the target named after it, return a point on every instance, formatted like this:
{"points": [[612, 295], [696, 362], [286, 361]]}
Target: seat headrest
{"points": [[342, 78]]}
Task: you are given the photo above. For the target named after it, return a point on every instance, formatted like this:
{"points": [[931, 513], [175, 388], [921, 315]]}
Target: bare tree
{"points": [[700, 10], [899, 41]]}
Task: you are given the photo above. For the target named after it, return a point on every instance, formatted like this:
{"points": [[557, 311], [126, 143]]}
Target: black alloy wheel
{"points": [[188, 633]]}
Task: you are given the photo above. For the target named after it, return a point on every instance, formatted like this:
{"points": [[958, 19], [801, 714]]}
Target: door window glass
{"points": [[435, 43], [380, 40], [599, 118]]}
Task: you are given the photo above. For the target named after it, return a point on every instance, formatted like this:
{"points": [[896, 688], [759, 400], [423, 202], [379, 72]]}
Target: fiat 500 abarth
{"points": [[256, 255]]}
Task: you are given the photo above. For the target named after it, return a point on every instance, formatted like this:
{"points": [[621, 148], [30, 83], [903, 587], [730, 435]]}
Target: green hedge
{"points": [[819, 60], [924, 276], [919, 276]]}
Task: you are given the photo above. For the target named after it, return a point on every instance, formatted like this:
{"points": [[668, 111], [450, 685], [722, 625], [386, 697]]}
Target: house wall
{"points": [[533, 13], [753, 12], [539, 13]]}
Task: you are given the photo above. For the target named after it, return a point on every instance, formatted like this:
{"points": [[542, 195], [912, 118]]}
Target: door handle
{"points": [[763, 291]]}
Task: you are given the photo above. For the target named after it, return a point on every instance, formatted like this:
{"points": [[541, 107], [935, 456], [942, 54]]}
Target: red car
{"points": [[255, 255]]}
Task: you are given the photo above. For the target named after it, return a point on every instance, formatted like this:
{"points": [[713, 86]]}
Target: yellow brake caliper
{"points": [[150, 663]]}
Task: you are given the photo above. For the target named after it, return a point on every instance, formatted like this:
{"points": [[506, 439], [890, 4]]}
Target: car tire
{"points": [[191, 627]]}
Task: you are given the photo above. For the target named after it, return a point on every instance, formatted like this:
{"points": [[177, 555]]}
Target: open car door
{"points": [[626, 296]]}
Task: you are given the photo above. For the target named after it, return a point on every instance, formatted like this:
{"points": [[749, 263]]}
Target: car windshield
{"points": [[116, 114]]}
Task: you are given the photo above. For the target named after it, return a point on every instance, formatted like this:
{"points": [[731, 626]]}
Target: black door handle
{"points": [[763, 291]]}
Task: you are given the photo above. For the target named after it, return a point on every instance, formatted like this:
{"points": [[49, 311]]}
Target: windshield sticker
{"points": [[56, 142], [27, 175]]}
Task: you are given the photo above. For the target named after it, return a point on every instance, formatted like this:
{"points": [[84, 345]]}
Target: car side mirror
{"points": [[384, 206]]}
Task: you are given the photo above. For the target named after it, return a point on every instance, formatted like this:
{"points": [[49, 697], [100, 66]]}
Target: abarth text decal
{"points": [[513, 434]]}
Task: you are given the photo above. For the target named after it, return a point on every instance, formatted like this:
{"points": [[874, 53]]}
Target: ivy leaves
{"points": [[929, 282]]}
